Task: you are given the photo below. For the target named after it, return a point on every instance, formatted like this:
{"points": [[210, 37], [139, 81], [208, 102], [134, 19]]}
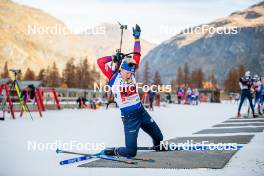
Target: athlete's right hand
{"points": [[118, 57]]}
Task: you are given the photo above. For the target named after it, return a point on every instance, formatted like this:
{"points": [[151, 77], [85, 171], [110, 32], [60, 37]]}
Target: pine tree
{"points": [[5, 73], [85, 79], [69, 74], [179, 78], [200, 78], [193, 78], [53, 76], [186, 74], [146, 79], [56, 75], [29, 75], [213, 80], [197, 78], [231, 82], [157, 78], [47, 77], [95, 76], [79, 75], [41, 75], [241, 70], [173, 85]]}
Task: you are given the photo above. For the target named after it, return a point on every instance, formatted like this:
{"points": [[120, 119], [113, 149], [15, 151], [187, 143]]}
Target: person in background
{"points": [[78, 101], [110, 100], [81, 101], [28, 94], [188, 95], [262, 97], [168, 98], [151, 95], [93, 102], [179, 94], [246, 83], [102, 100], [193, 97], [197, 95], [258, 88]]}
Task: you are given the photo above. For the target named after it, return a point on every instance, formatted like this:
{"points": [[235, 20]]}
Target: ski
{"points": [[85, 157], [90, 156], [140, 159], [132, 160], [85, 154], [74, 160], [112, 158], [191, 147]]}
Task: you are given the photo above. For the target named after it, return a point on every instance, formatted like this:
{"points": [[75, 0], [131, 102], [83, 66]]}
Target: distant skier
{"points": [[92, 102], [179, 94], [262, 96], [29, 93], [246, 83], [188, 96], [151, 95], [81, 101], [168, 98], [193, 97], [110, 100], [196, 96], [258, 88], [133, 114]]}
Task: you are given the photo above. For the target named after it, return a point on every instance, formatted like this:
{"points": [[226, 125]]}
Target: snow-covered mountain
{"points": [[32, 38], [105, 39], [242, 43]]}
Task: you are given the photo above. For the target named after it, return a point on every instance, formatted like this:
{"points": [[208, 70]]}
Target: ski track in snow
{"points": [[105, 126]]}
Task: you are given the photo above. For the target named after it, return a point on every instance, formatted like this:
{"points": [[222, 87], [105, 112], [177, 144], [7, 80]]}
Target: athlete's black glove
{"points": [[118, 57]]}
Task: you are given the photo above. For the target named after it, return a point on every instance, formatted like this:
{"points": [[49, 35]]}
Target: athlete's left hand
{"points": [[136, 31]]}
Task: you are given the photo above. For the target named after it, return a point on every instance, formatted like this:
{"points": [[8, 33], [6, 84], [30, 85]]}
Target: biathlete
{"points": [[245, 84], [258, 88], [123, 85]]}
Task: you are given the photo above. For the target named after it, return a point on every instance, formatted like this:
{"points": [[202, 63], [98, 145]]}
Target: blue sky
{"points": [[152, 15]]}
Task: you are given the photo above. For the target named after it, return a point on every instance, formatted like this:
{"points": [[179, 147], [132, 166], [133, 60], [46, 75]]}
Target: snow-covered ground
{"points": [[105, 127]]}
